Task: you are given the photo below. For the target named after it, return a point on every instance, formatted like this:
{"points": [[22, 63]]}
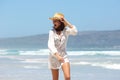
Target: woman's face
{"points": [[56, 23]]}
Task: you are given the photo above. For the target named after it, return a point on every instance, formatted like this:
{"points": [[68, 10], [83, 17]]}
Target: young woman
{"points": [[57, 41]]}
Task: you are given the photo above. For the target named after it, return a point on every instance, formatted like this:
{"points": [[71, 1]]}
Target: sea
{"points": [[32, 64]]}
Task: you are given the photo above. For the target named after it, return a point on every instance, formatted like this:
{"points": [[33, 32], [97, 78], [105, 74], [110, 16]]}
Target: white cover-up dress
{"points": [[57, 44]]}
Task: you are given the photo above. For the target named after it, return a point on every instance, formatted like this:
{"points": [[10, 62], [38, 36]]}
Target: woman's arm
{"points": [[51, 44], [52, 48], [71, 28]]}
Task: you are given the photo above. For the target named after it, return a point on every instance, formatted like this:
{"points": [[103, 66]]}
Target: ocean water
{"points": [[18, 64]]}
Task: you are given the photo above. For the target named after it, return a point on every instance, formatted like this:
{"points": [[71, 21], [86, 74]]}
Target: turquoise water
{"points": [[33, 65]]}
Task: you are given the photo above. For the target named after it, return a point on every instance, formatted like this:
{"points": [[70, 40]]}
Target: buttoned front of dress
{"points": [[60, 42]]}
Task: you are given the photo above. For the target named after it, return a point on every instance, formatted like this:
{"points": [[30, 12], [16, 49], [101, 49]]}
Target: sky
{"points": [[31, 17]]}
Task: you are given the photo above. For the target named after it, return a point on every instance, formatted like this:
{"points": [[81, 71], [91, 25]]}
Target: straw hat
{"points": [[57, 16]]}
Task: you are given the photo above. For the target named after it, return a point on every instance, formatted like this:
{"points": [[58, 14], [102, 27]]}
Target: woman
{"points": [[57, 41]]}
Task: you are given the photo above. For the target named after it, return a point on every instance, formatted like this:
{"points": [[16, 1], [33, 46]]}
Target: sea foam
{"points": [[107, 65]]}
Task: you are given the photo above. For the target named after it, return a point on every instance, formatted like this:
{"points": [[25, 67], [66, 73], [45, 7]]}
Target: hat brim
{"points": [[54, 18]]}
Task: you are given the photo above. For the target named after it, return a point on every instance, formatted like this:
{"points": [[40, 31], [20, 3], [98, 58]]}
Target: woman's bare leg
{"points": [[55, 74], [66, 70]]}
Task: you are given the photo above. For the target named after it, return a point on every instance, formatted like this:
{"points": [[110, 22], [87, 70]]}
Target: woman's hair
{"points": [[61, 27]]}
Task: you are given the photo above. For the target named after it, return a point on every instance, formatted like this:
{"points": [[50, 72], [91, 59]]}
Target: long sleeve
{"points": [[72, 31], [51, 43]]}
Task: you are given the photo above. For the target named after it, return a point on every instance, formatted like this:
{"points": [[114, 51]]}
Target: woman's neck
{"points": [[58, 32]]}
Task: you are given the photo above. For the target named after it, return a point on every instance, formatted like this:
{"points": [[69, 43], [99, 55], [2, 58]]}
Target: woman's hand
{"points": [[66, 22], [60, 59]]}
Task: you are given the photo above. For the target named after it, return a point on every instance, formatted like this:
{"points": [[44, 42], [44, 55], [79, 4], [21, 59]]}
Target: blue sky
{"points": [[30, 17]]}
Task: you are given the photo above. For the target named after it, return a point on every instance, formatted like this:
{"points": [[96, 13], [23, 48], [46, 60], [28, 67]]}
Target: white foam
{"points": [[34, 61], [108, 65], [110, 53], [3, 51], [37, 52], [73, 53], [32, 67]]}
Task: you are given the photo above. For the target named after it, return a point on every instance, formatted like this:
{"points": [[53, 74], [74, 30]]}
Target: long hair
{"points": [[61, 27]]}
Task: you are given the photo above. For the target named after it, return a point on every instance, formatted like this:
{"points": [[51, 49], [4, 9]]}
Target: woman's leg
{"points": [[55, 74], [66, 70]]}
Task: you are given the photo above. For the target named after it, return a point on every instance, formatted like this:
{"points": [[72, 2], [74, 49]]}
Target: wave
{"points": [[46, 52], [95, 53], [34, 61], [3, 51], [107, 65], [37, 52], [31, 67]]}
